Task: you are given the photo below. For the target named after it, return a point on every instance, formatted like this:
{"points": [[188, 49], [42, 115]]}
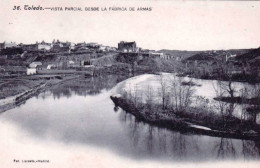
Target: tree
{"points": [[163, 90], [254, 108], [220, 105], [149, 97], [180, 94], [224, 88]]}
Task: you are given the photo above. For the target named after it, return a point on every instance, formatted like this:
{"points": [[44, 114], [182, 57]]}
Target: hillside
{"points": [[158, 64], [203, 56], [249, 56], [104, 61], [179, 53], [218, 54]]}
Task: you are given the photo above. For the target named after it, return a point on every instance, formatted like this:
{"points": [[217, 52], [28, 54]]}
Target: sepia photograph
{"points": [[129, 84]]}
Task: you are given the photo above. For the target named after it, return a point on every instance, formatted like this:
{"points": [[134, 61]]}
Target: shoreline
{"points": [[12, 101], [179, 124]]}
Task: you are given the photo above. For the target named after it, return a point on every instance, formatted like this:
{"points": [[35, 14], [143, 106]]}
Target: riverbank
{"points": [[185, 123], [239, 100], [15, 91]]}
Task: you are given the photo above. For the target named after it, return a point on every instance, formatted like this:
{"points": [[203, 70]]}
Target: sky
{"points": [[181, 25]]}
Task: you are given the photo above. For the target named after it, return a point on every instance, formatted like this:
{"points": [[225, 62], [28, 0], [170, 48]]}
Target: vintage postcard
{"points": [[129, 84]]}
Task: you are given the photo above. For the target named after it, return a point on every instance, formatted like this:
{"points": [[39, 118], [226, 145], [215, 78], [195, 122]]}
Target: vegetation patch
{"points": [[174, 106], [195, 121], [240, 100]]}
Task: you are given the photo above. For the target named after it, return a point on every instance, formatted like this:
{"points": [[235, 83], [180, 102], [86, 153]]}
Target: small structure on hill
{"points": [[127, 47], [32, 69], [156, 55], [58, 46], [5, 45], [43, 46], [34, 64]]}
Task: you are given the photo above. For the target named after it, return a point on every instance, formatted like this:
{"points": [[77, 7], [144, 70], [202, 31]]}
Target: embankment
{"points": [[12, 101]]}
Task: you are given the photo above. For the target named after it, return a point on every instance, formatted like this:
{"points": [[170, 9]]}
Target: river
{"points": [[77, 120]]}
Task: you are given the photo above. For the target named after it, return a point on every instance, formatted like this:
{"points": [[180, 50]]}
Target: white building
{"points": [[103, 48], [31, 71], [5, 45], [34, 64], [156, 54], [50, 66], [44, 47]]}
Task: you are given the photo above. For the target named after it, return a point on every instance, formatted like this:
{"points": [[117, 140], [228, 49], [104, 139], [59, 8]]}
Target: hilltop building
{"points": [[127, 47], [151, 53], [58, 46], [93, 45], [5, 45], [156, 55], [43, 46]]}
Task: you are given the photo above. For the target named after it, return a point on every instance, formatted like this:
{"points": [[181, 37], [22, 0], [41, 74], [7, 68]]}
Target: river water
{"points": [[80, 113]]}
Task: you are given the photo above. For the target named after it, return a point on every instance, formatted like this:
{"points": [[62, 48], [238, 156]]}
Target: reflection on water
{"points": [[80, 111], [85, 86], [163, 143]]}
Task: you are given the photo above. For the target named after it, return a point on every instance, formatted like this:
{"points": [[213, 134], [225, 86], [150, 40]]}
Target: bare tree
{"points": [[244, 93], [254, 108], [149, 97], [132, 94], [229, 87], [163, 91], [220, 105], [180, 94], [225, 73]]}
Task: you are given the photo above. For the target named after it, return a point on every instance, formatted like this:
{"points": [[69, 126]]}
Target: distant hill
{"points": [[203, 56], [180, 53], [239, 51], [249, 56], [217, 54]]}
